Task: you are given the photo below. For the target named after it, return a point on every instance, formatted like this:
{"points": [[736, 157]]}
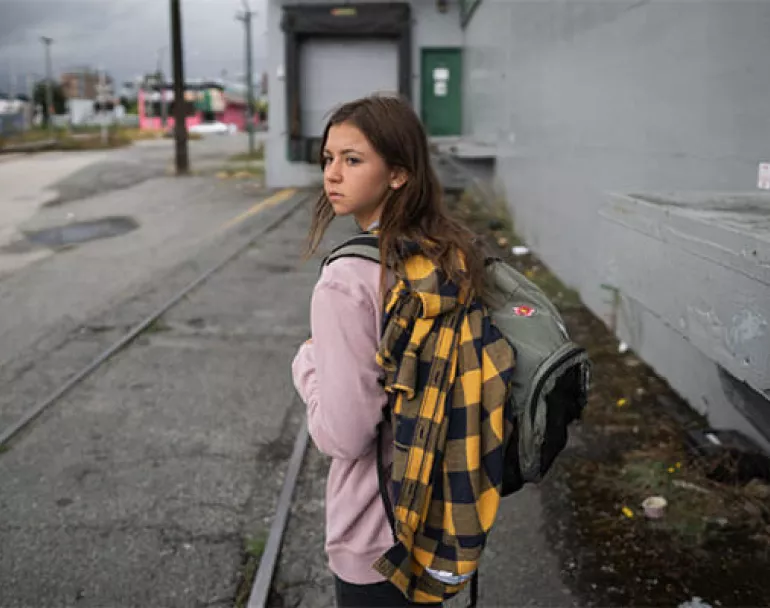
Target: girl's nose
{"points": [[333, 173]]}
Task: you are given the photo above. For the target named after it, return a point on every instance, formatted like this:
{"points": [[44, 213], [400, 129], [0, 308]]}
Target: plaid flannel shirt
{"points": [[448, 370]]}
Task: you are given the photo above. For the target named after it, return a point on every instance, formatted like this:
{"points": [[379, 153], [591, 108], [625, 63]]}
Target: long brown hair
{"points": [[415, 212]]}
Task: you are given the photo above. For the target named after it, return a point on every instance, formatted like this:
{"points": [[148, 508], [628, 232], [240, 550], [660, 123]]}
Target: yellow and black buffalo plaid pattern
{"points": [[448, 370]]}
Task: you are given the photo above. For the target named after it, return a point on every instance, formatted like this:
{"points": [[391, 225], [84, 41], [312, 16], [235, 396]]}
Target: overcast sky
{"points": [[124, 36]]}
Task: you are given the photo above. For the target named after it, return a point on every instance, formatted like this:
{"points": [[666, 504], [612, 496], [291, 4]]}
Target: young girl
{"points": [[376, 167]]}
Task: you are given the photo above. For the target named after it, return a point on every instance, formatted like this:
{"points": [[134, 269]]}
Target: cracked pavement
{"points": [[140, 487]]}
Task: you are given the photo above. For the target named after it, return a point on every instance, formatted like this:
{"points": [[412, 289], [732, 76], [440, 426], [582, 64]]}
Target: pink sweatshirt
{"points": [[337, 377]]}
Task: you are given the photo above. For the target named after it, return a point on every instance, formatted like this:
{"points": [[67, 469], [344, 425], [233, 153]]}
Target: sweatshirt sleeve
{"points": [[336, 374]]}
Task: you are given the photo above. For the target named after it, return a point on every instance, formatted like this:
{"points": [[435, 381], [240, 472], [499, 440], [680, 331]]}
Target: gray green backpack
{"points": [[550, 382]]}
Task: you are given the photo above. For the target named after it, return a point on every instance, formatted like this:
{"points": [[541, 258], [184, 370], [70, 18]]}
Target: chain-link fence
{"points": [[11, 124]]}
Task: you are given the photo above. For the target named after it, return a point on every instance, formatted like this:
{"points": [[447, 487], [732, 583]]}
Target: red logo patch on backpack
{"points": [[523, 311]]}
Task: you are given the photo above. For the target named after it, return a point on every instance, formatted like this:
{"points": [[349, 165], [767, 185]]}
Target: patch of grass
{"points": [[10, 141], [77, 138], [137, 134], [32, 136], [84, 138], [92, 141], [190, 136], [4, 448], [253, 548], [244, 589], [157, 326], [688, 510], [240, 172], [84, 129], [698, 508], [259, 154]]}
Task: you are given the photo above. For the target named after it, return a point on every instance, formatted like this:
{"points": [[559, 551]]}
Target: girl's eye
{"points": [[352, 161], [325, 161]]}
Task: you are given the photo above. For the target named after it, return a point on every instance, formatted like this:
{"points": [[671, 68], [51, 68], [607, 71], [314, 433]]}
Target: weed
{"points": [[157, 326], [253, 548]]}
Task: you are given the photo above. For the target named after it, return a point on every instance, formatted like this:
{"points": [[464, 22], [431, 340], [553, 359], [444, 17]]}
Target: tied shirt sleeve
{"points": [[337, 375]]}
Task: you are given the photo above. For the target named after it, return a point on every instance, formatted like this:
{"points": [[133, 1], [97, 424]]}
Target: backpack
{"points": [[550, 381]]}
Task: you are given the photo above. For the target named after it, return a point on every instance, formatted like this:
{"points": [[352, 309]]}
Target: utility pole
{"points": [[161, 77], [48, 82], [30, 118], [102, 103], [246, 18], [180, 109]]}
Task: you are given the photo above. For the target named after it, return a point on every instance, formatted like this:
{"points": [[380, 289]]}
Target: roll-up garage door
{"points": [[336, 70]]}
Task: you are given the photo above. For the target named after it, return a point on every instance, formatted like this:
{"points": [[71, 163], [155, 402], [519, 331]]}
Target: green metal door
{"points": [[442, 91]]}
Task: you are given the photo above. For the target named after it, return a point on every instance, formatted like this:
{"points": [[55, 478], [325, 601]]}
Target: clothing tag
{"points": [[448, 578]]}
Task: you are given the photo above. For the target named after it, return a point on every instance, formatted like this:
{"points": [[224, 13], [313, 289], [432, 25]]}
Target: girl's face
{"points": [[356, 177]]}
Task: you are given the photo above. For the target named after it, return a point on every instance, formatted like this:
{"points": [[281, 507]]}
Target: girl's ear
{"points": [[398, 178]]}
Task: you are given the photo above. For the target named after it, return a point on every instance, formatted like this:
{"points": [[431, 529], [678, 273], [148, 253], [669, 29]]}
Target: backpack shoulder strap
{"points": [[365, 246]]}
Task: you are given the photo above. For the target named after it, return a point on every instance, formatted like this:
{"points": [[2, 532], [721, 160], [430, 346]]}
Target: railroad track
{"points": [[261, 586]]}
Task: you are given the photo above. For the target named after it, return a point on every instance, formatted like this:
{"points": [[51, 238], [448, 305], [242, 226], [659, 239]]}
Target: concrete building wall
{"points": [[430, 28], [587, 97]]}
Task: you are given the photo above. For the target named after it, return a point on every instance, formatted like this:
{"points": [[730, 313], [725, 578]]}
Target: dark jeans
{"points": [[376, 595]]}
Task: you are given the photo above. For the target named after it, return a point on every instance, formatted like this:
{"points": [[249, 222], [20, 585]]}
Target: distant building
{"points": [[14, 105], [11, 106], [83, 84], [129, 89], [15, 114], [205, 102]]}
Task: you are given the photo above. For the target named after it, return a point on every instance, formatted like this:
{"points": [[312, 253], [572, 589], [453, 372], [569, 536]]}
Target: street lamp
{"points": [[246, 18], [48, 82]]}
